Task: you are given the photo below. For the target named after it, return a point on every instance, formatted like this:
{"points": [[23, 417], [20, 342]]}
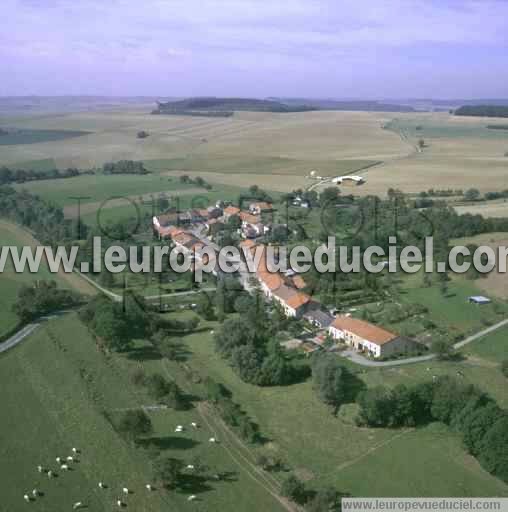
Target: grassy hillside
{"points": [[43, 418]]}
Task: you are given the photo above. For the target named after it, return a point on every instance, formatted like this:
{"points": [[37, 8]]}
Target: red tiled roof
{"points": [[248, 217], [298, 300], [364, 330], [232, 210]]}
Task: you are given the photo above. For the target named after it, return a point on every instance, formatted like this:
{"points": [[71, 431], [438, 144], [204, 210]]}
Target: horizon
{"points": [[423, 50]]}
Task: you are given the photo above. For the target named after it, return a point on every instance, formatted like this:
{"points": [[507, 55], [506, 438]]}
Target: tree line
{"points": [[8, 175], [463, 407], [482, 111], [124, 167], [46, 220]]}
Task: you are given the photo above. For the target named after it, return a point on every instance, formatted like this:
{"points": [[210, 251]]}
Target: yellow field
{"points": [[278, 151]]}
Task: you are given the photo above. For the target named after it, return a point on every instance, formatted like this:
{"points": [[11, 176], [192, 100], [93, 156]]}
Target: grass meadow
{"points": [[57, 388], [328, 450]]}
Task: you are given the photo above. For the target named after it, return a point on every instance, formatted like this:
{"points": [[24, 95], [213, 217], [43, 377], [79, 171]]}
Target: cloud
{"points": [[232, 35]]}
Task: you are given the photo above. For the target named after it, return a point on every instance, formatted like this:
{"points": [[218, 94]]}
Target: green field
{"points": [[37, 136], [56, 388], [332, 451], [46, 164], [493, 347], [451, 311], [99, 187], [421, 127]]}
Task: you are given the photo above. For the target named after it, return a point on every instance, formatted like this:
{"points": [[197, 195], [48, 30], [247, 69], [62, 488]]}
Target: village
{"points": [[193, 229]]}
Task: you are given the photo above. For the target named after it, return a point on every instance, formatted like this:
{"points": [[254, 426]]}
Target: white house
{"points": [[366, 337]]}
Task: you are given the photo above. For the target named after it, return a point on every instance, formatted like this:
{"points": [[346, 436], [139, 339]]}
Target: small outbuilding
{"points": [[479, 300]]}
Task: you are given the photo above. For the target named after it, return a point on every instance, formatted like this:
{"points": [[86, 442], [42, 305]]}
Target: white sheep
{"points": [[27, 498], [101, 485], [40, 469], [77, 505], [70, 459], [212, 440], [58, 460], [64, 467], [75, 450], [194, 424], [190, 466], [50, 474], [35, 493], [149, 487], [125, 490], [192, 497], [119, 503]]}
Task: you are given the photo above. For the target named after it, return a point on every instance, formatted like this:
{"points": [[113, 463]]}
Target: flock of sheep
{"points": [[65, 466]]}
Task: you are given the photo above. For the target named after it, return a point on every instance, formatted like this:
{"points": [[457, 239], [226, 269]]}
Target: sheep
{"points": [[190, 466], [75, 451], [58, 460], [77, 505], [150, 487], [194, 424], [35, 493], [101, 485], [50, 474], [192, 497], [27, 498], [70, 459], [212, 440], [125, 490], [64, 467], [120, 503], [40, 469]]}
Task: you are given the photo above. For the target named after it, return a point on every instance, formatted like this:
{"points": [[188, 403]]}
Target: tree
{"points": [[247, 360], [294, 489], [329, 195], [330, 379], [476, 424], [111, 327], [164, 390], [441, 348], [167, 471], [135, 423], [325, 500], [205, 307], [472, 194], [376, 407], [276, 370], [493, 452], [234, 222], [232, 334]]}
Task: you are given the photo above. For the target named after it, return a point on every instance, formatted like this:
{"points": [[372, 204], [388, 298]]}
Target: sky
{"points": [[371, 49]]}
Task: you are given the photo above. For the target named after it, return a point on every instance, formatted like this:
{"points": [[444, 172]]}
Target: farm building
{"points": [[349, 180], [479, 300], [230, 211], [366, 337], [260, 207]]}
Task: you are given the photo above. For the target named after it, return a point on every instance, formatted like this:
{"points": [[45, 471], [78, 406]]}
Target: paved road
{"points": [[357, 358], [24, 332]]}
